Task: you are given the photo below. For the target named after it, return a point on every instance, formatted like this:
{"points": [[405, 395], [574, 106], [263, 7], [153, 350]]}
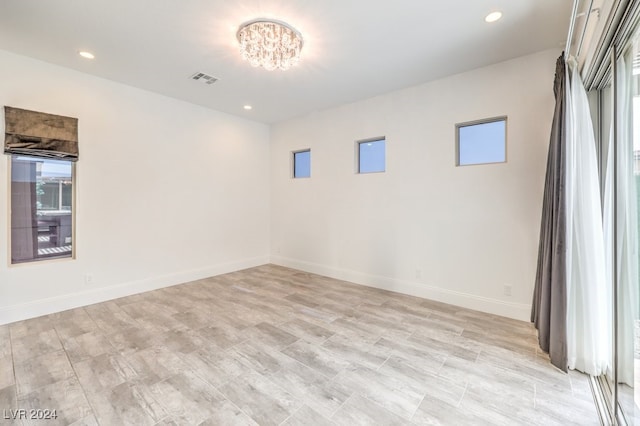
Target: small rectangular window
{"points": [[41, 208], [371, 155], [302, 164], [481, 142]]}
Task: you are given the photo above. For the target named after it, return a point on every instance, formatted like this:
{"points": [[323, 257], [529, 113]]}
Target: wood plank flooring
{"points": [[276, 346]]}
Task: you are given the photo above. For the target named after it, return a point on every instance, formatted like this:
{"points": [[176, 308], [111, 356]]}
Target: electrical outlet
{"points": [[507, 290], [88, 279], [418, 273]]}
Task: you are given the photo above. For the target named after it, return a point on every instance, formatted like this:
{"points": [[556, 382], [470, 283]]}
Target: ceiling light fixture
{"points": [[248, 107], [493, 16], [86, 55], [269, 44]]}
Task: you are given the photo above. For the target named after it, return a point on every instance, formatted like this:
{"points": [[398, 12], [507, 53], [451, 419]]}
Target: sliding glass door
{"points": [[611, 72], [621, 229], [616, 108]]}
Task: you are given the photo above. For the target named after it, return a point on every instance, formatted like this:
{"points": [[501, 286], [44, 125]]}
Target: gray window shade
{"points": [[39, 134]]}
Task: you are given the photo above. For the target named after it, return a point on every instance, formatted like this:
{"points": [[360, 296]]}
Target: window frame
{"points": [[45, 259], [293, 163], [358, 143], [458, 126]]}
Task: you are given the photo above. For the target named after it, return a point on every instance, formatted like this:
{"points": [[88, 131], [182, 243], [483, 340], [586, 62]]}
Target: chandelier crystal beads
{"points": [[270, 44]]}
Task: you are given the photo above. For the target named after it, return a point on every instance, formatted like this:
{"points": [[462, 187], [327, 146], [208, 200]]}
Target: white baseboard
{"points": [[36, 308], [63, 302], [519, 311]]}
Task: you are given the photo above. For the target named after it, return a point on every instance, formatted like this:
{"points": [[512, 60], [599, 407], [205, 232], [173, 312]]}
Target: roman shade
{"points": [[39, 134]]}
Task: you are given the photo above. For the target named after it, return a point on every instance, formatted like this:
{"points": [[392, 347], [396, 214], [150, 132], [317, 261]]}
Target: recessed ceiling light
{"points": [[493, 16], [86, 55], [248, 107]]}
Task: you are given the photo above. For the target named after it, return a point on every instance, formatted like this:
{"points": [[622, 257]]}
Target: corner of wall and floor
{"points": [[166, 191], [461, 235]]}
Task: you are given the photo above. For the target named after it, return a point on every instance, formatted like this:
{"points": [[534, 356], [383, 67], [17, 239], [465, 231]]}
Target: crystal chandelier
{"points": [[270, 44]]}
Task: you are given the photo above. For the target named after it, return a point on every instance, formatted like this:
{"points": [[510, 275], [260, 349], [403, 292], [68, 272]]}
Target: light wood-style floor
{"points": [[271, 346]]}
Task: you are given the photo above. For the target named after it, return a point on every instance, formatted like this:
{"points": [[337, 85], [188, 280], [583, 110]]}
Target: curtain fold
{"points": [[549, 307], [39, 134], [588, 294]]}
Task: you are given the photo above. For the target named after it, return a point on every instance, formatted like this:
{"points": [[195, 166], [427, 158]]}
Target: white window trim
{"points": [[74, 209]]}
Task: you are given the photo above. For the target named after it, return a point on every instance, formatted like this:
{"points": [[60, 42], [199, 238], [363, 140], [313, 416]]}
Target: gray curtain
{"points": [[39, 134], [549, 308]]}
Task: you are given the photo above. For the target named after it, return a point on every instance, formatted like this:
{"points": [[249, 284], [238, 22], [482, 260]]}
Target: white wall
{"points": [[425, 227], [160, 216], [167, 191]]}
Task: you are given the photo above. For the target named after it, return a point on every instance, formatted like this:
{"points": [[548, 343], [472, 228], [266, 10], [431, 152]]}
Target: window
{"points": [[481, 142], [371, 155], [41, 208], [302, 164]]}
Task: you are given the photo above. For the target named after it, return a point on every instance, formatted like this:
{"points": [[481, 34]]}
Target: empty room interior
{"points": [[270, 212]]}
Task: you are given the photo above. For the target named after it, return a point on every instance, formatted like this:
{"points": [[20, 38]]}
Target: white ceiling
{"points": [[354, 49]]}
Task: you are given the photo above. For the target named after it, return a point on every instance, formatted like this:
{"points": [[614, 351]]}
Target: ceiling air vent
{"points": [[204, 78]]}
